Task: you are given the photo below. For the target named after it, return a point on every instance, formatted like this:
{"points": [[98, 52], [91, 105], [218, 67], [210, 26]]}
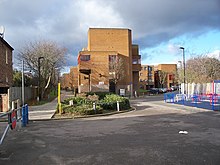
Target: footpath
{"points": [[46, 111], [43, 112]]}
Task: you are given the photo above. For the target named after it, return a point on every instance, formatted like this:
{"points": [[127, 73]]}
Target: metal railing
{"points": [[12, 117]]}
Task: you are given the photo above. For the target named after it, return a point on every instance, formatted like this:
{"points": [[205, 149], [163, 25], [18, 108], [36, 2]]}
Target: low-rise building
{"points": [[110, 62], [165, 75], [147, 77], [6, 73]]}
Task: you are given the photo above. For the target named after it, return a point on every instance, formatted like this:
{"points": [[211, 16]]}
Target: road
{"points": [[149, 135]]}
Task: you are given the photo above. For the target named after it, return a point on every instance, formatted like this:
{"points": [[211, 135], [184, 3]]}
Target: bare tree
{"points": [[202, 69], [47, 56], [162, 77], [116, 68]]}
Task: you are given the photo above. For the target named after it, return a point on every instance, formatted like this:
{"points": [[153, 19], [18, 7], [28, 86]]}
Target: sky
{"points": [[159, 27]]}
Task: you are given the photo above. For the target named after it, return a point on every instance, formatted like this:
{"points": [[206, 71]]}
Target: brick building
{"points": [[70, 80], [166, 72], [65, 81], [110, 62], [6, 73], [147, 77]]}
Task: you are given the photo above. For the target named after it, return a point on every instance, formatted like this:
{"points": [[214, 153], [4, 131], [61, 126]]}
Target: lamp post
{"points": [[184, 69], [22, 82], [39, 92]]}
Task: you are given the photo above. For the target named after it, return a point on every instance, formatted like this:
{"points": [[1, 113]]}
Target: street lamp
{"points": [[39, 92], [184, 69]]}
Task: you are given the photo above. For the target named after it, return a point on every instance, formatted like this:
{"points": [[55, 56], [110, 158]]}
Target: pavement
{"points": [[43, 112], [46, 111]]}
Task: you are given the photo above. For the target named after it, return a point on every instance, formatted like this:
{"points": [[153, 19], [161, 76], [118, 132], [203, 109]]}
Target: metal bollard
{"points": [[26, 113], [23, 116]]}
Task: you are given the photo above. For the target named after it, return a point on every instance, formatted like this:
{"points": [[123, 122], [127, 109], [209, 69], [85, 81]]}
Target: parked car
{"points": [[174, 88], [163, 90], [154, 91], [169, 89]]}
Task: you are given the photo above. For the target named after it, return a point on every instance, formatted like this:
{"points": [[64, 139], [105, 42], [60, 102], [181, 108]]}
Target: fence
{"points": [[202, 89], [15, 93], [208, 101]]}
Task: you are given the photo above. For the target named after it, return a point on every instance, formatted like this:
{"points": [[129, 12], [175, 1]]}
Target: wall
{"points": [[171, 69], [144, 82], [113, 39], [6, 71], [4, 103], [16, 93]]}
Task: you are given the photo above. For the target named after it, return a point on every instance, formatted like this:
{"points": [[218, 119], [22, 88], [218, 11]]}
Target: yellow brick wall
{"points": [[170, 69], [167, 67], [74, 76], [111, 39], [99, 65], [103, 42], [144, 76]]}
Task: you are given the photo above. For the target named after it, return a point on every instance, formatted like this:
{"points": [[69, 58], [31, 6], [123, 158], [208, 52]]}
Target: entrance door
{"points": [[111, 86]]}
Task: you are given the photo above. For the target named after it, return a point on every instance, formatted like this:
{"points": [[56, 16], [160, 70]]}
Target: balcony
{"points": [[136, 67], [136, 63]]}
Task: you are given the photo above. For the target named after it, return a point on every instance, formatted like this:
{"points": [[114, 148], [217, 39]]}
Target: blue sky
{"points": [[169, 52], [159, 27]]}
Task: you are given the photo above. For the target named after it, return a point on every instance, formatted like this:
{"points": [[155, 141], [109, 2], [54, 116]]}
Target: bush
{"points": [[100, 94], [76, 100], [83, 110], [110, 102]]}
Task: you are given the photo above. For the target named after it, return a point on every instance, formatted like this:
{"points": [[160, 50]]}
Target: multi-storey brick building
{"points": [[166, 72], [147, 76], [70, 80], [110, 62], [65, 81], [6, 72]]}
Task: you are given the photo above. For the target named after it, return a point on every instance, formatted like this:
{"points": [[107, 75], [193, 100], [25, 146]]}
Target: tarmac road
{"points": [[149, 135]]}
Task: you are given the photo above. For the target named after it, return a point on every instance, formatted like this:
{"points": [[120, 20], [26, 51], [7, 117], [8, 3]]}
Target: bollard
{"points": [[213, 107], [94, 107], [12, 105], [118, 108], [26, 113], [71, 102], [23, 117]]}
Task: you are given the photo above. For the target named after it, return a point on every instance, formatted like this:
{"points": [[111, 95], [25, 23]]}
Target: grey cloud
{"points": [[152, 21]]}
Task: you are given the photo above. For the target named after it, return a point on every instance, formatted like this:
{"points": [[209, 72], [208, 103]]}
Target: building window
{"points": [[136, 61], [170, 77], [112, 58], [6, 56], [112, 62], [84, 57]]}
